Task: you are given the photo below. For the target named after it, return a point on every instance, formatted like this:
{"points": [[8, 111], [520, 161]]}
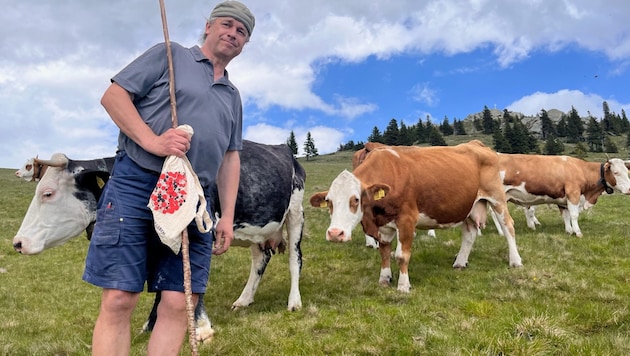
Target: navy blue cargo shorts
{"points": [[125, 251]]}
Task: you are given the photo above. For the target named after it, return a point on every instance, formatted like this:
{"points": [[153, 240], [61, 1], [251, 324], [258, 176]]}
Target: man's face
{"points": [[225, 37]]}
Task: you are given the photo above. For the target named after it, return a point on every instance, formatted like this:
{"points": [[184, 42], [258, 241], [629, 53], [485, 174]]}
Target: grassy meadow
{"points": [[570, 297]]}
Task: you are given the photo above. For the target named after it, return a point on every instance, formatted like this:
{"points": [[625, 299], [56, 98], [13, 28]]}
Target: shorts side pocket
{"points": [[108, 225]]}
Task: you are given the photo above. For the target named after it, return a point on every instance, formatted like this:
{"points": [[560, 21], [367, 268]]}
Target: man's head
{"points": [[237, 11]]}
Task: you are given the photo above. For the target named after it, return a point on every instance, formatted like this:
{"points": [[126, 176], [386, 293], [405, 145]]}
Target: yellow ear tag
{"points": [[100, 182], [323, 204], [380, 194]]}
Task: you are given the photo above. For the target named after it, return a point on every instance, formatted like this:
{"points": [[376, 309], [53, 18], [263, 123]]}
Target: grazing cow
{"points": [[568, 182], [399, 189], [269, 198], [32, 170], [357, 158]]}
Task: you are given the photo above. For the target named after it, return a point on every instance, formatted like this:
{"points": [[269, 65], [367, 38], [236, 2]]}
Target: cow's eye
{"points": [[47, 194]]}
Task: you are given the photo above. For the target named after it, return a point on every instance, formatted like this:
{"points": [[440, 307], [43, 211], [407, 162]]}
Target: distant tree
{"points": [[609, 145], [625, 124], [580, 150], [594, 136], [487, 121], [501, 144], [458, 127], [477, 125], [445, 127], [348, 146], [309, 147], [575, 127], [376, 135], [406, 135], [561, 127], [392, 134], [422, 133], [628, 140], [435, 137], [292, 143], [553, 145], [547, 126]]}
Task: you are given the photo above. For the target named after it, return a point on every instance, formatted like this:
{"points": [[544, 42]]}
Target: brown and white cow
{"points": [[269, 201], [357, 158], [398, 189], [32, 171], [568, 182]]}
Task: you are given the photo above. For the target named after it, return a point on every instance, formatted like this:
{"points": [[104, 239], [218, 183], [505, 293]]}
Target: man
{"points": [[125, 251]]}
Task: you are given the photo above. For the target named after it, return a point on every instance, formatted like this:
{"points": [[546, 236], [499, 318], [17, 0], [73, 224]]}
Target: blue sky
{"points": [[335, 69]]}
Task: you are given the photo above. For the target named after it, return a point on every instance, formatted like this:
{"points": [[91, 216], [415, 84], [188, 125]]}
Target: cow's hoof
{"points": [[460, 266]]}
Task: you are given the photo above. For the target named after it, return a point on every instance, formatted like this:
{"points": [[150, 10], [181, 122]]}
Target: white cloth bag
{"points": [[177, 199]]}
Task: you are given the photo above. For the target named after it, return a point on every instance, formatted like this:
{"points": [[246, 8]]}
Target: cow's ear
{"points": [[318, 200], [377, 191], [627, 163]]}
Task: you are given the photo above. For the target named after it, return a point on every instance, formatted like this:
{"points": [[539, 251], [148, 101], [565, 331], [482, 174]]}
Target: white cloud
{"points": [[563, 100]]}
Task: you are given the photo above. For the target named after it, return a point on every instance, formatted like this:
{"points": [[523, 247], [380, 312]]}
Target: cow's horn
{"points": [[57, 160]]}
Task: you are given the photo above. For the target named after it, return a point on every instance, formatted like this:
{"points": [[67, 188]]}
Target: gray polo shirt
{"points": [[213, 109]]}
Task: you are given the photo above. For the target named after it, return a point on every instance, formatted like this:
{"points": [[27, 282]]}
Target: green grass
{"points": [[570, 298]]}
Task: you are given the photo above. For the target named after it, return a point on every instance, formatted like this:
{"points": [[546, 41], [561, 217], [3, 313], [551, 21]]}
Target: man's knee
{"points": [[118, 301]]}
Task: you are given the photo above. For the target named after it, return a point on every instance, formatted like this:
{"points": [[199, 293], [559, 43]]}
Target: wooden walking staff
{"points": [[190, 308]]}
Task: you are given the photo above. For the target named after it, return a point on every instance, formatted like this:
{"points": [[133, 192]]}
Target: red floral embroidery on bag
{"points": [[169, 193]]}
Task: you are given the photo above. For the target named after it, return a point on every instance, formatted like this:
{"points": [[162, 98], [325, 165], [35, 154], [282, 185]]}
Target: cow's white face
{"points": [[344, 203], [27, 170], [55, 214], [620, 171]]}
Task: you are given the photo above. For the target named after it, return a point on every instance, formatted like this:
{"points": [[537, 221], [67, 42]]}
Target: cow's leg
{"points": [[150, 323], [495, 219], [566, 218], [406, 232], [203, 326], [295, 226], [385, 249], [260, 259], [370, 242], [469, 234], [530, 216], [507, 225], [570, 216]]}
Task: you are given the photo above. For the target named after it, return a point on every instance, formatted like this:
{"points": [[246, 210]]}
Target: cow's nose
{"points": [[18, 246], [335, 234]]}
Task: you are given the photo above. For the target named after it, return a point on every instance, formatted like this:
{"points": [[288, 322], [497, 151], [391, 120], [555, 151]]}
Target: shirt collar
{"points": [[200, 57]]}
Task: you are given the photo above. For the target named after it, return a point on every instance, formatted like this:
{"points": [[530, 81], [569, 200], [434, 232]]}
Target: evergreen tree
{"points": [[501, 144], [594, 136], [477, 125], [392, 134], [553, 145], [580, 151], [292, 143], [406, 135], [445, 127], [575, 127], [561, 127], [422, 134], [609, 145], [548, 128], [487, 121], [309, 147], [375, 136], [625, 124], [435, 137], [458, 127]]}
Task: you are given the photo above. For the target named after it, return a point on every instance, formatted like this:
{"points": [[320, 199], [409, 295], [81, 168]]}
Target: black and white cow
{"points": [[269, 198]]}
